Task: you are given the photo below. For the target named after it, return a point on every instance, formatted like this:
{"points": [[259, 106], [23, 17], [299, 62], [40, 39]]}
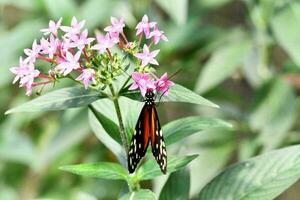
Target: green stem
{"points": [[123, 134]]}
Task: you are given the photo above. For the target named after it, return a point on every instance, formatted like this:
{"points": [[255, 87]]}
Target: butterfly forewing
{"points": [[140, 140], [157, 142]]}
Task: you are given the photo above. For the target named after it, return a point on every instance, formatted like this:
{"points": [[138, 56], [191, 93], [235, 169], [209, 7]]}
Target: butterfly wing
{"points": [[157, 141], [140, 139]]}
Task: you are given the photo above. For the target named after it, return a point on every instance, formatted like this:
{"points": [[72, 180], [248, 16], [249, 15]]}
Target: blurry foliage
{"points": [[242, 54]]}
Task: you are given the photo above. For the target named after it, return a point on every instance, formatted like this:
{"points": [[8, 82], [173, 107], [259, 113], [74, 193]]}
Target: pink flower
{"points": [[147, 56], [144, 26], [75, 28], [53, 27], [64, 45], [116, 26], [81, 40], [49, 47], [32, 53], [104, 42], [26, 73], [142, 81], [157, 35], [86, 76], [163, 84], [70, 63]]}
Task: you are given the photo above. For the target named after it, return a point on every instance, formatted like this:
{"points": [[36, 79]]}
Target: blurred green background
{"points": [[243, 55]]}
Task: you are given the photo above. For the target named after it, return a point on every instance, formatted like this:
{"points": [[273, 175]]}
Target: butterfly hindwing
{"points": [[157, 142], [140, 140]]}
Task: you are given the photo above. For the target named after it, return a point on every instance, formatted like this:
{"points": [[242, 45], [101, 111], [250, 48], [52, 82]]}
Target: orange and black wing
{"points": [[140, 139], [157, 141]]}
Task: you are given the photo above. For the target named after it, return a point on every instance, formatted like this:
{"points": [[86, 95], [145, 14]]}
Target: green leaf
{"points": [[106, 139], [150, 169], [181, 128], [177, 186], [140, 194], [61, 99], [177, 9], [224, 62], [273, 116], [177, 93], [60, 8], [105, 170], [73, 129], [287, 31], [263, 177], [108, 125]]}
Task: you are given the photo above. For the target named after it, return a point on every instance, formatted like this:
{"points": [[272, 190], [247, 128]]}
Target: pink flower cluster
{"points": [[69, 49], [64, 52], [144, 82]]}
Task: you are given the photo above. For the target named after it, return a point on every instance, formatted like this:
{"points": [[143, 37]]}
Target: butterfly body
{"points": [[147, 130]]}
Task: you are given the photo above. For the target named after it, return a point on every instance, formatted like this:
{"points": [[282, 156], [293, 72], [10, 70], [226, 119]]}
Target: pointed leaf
{"points": [[286, 30], [61, 99], [106, 139], [223, 63], [177, 9], [105, 170], [177, 93], [108, 125], [150, 169], [263, 177], [181, 128], [177, 186]]}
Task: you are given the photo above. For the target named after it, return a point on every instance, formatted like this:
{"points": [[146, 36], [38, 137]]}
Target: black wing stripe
{"points": [[136, 148], [159, 147]]}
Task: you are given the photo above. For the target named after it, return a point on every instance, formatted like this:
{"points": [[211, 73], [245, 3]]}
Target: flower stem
{"points": [[119, 115], [124, 37]]}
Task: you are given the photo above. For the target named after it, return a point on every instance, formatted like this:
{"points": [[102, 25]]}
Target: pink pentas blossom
{"points": [[104, 42], [53, 27], [163, 84], [157, 35], [86, 77], [81, 40], [116, 26], [68, 64], [147, 57], [143, 82], [32, 53], [74, 29], [26, 73], [144, 26], [49, 46]]}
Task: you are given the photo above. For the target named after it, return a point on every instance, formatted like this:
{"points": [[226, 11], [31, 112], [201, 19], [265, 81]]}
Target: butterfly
{"points": [[147, 130]]}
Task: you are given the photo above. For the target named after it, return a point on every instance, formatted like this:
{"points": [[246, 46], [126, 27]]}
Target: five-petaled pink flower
{"points": [[26, 73], [163, 84], [157, 35], [104, 42], [32, 53], [71, 32], [86, 77], [68, 64], [53, 27], [147, 56], [116, 26], [81, 40], [49, 47], [144, 26], [142, 81]]}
